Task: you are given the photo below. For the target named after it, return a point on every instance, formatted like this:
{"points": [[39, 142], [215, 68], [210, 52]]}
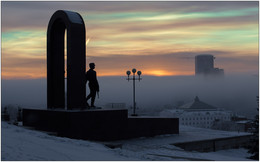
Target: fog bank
{"points": [[236, 93]]}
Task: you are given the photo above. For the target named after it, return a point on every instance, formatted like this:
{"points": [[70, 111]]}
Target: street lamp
{"points": [[139, 74]]}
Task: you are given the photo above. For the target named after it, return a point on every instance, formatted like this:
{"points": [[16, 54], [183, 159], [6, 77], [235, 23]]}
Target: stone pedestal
{"points": [[100, 124], [142, 126]]}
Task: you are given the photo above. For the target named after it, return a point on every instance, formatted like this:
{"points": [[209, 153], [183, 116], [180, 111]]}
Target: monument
{"points": [[90, 124], [76, 60]]}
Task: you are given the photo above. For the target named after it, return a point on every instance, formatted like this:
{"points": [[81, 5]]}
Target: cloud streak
{"points": [[182, 63]]}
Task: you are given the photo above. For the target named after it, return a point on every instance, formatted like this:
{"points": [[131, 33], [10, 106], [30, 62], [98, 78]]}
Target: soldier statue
{"points": [[91, 78]]}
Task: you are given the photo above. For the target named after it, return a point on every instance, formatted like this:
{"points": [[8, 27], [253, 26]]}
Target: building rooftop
{"points": [[205, 55], [197, 105]]}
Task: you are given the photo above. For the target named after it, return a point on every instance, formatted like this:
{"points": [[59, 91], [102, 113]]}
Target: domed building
{"points": [[198, 114], [197, 105]]}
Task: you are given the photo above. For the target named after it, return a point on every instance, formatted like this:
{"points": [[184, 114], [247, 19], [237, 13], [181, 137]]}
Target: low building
{"points": [[198, 114], [239, 126]]}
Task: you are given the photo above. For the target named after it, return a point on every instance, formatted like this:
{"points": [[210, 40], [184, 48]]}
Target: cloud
{"points": [[180, 63], [36, 14], [19, 67]]}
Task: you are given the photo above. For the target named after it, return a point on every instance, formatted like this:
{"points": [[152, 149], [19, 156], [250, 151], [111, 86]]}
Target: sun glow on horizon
{"points": [[166, 73], [11, 76]]}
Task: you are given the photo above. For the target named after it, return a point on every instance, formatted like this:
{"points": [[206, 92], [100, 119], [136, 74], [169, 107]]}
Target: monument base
{"points": [[98, 124], [145, 126]]}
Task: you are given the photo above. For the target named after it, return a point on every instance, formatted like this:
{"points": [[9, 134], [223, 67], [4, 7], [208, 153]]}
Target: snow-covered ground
{"points": [[18, 143]]}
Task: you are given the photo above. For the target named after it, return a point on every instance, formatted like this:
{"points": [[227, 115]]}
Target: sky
{"points": [[158, 38]]}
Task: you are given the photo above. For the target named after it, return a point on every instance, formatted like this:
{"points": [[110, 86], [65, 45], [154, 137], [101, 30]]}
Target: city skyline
{"points": [[158, 38]]}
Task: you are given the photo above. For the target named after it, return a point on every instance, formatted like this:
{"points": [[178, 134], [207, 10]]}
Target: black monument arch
{"points": [[76, 60], [103, 124]]}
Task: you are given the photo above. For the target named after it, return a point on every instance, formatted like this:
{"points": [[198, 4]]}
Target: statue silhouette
{"points": [[91, 76]]}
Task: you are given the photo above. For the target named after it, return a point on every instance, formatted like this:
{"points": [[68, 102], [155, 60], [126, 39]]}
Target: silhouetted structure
{"points": [[204, 65], [139, 74], [98, 124], [76, 60], [91, 77]]}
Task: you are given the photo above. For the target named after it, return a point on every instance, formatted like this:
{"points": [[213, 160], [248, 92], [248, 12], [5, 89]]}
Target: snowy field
{"points": [[19, 143]]}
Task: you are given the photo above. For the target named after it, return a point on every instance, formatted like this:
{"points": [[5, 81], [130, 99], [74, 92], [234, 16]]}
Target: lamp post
{"points": [[139, 74]]}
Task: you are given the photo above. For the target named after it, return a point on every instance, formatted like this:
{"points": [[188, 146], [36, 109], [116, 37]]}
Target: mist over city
{"points": [[236, 92]]}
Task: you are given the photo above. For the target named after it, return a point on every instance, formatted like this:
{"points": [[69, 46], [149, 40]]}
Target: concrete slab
{"points": [[145, 126], [98, 124]]}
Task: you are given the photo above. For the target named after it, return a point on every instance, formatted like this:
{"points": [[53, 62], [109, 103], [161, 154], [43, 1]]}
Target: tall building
{"points": [[204, 65]]}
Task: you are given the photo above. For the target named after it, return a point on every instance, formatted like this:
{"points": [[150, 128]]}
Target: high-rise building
{"points": [[204, 65]]}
